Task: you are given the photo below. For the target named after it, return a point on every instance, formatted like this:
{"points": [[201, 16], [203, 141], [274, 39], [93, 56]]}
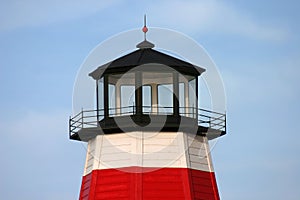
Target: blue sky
{"points": [[255, 44]]}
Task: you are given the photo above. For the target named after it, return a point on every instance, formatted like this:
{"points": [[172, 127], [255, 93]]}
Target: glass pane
{"points": [[147, 99], [100, 99], [121, 88], [111, 99], [192, 98], [181, 99], [165, 99], [127, 99]]}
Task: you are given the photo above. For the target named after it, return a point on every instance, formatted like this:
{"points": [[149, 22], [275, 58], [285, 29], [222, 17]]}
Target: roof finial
{"points": [[145, 44], [145, 29]]}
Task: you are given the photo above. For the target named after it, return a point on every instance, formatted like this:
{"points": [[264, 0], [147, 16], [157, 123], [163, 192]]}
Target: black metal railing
{"points": [[91, 118]]}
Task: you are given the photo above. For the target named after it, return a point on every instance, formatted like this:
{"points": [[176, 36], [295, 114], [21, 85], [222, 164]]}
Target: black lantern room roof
{"points": [[146, 55]]}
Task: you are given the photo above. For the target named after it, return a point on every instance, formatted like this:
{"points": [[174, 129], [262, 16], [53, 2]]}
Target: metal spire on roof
{"points": [[145, 44], [145, 29]]}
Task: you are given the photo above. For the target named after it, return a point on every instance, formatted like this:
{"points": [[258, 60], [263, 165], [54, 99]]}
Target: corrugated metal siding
{"points": [[198, 156], [90, 156], [164, 149], [204, 185], [165, 183], [174, 166], [85, 187]]}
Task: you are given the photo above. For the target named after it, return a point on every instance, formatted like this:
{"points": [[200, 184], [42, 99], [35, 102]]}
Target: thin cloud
{"points": [[216, 17], [188, 16], [273, 87], [37, 146], [15, 14]]}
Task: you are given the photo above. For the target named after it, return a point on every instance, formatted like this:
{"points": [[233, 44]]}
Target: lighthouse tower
{"points": [[147, 138]]}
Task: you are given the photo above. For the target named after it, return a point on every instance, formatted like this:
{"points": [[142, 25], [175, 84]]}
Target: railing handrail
{"points": [[89, 118]]}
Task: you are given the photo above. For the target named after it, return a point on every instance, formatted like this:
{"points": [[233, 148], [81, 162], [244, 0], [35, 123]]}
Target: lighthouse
{"points": [[147, 138]]}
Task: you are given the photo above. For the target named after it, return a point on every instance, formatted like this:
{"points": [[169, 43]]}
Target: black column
{"points": [[97, 100], [138, 93], [175, 94], [197, 100], [105, 90]]}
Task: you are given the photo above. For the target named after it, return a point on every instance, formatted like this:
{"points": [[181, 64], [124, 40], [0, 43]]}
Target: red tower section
{"points": [[162, 183]]}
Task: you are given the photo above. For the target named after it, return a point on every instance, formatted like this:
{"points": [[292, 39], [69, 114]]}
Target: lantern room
{"points": [[164, 85]]}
